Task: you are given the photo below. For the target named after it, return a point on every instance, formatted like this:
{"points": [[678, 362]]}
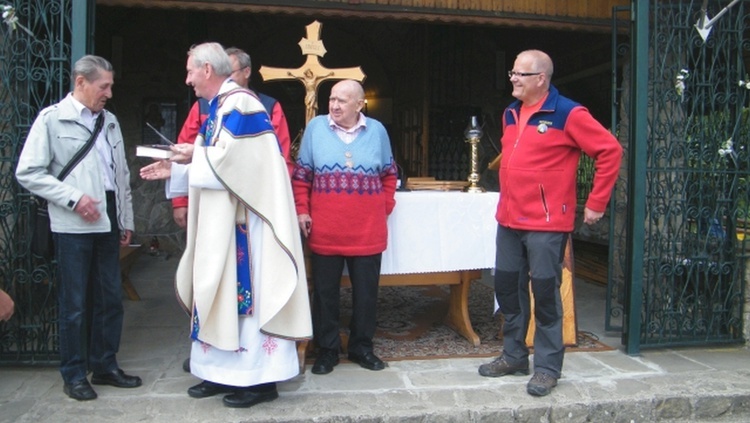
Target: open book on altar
{"points": [[156, 151]]}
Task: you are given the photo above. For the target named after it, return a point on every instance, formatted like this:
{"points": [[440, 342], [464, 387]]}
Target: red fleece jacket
{"points": [[539, 166]]}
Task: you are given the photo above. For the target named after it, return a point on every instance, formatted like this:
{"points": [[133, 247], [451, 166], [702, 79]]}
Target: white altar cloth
{"points": [[441, 231]]}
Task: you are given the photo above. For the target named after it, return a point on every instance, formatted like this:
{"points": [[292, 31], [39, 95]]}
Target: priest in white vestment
{"points": [[242, 275]]}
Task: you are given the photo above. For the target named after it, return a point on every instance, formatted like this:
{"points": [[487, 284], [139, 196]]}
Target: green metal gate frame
{"points": [[678, 249], [39, 40]]}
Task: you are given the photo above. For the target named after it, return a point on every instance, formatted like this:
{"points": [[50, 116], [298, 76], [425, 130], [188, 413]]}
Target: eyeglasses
{"points": [[511, 74], [239, 69]]}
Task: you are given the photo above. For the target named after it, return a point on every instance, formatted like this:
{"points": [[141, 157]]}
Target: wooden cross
{"points": [[312, 73]]}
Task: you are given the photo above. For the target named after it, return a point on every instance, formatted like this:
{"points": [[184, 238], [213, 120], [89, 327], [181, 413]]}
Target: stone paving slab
{"points": [[628, 389], [673, 385]]}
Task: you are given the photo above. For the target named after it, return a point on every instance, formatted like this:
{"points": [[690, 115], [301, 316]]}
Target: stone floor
{"points": [[668, 385]]}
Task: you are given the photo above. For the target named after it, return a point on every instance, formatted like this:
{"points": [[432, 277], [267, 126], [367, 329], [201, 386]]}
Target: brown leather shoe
{"points": [[501, 367], [541, 384]]}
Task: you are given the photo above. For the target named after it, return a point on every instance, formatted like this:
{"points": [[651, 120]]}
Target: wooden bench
{"points": [[128, 254]]}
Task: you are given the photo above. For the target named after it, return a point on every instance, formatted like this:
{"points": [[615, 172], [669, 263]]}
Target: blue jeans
{"points": [[89, 298]]}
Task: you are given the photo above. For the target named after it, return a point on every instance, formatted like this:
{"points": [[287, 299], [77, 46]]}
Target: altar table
{"points": [[441, 238]]}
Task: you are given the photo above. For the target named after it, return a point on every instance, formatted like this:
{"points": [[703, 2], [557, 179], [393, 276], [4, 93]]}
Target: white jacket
{"points": [[56, 135]]}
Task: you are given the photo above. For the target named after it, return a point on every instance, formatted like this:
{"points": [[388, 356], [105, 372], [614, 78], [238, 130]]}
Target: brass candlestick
{"points": [[473, 134]]}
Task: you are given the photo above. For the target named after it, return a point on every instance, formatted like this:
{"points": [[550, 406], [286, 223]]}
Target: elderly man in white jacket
{"points": [[91, 215]]}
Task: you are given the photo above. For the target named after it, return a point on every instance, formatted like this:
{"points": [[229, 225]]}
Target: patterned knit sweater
{"points": [[347, 189]]}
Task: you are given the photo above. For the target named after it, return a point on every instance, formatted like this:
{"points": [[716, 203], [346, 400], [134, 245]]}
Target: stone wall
{"points": [[153, 217], [597, 233]]}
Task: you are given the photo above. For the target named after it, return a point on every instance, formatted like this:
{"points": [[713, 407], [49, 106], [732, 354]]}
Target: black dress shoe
{"points": [[186, 365], [116, 378], [367, 360], [207, 389], [80, 391], [246, 398], [325, 362]]}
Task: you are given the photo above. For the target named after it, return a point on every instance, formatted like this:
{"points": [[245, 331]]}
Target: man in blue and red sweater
{"points": [[544, 134], [344, 184]]}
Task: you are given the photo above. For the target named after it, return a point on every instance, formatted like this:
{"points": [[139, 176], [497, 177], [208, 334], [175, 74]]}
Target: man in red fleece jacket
{"points": [[544, 134]]}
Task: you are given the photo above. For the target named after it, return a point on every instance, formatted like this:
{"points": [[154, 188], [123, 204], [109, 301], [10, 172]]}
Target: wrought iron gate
{"points": [[696, 179], [35, 58]]}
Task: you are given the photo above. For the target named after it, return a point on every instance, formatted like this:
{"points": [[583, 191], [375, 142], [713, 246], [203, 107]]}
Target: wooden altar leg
{"points": [[567, 296], [302, 347], [128, 254], [458, 307]]}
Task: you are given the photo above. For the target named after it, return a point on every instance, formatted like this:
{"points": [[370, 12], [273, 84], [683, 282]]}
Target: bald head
{"points": [[346, 101], [531, 76], [539, 62], [352, 87]]}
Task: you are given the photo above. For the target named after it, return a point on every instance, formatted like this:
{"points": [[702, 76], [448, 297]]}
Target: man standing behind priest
{"points": [[242, 275], [344, 186]]}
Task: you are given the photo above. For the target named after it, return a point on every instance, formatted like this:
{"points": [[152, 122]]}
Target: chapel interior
{"points": [[425, 78]]}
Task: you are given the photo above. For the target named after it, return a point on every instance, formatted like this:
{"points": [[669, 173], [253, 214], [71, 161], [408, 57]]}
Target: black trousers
{"points": [[364, 272]]}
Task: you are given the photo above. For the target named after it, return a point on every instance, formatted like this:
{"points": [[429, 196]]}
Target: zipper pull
{"points": [[544, 201]]}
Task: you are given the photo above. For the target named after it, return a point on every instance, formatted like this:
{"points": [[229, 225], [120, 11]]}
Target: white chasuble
{"points": [[260, 358]]}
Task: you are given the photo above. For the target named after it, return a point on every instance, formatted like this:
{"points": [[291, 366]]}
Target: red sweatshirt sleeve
{"points": [[187, 135], [599, 144], [280, 126]]}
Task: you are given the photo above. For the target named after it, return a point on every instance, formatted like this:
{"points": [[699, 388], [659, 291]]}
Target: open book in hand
{"points": [[156, 151]]}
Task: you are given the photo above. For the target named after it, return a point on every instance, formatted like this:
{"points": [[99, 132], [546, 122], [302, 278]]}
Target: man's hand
{"points": [[590, 217], [305, 224], [183, 153], [180, 216], [87, 209], [6, 306], [125, 237], [161, 169]]}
